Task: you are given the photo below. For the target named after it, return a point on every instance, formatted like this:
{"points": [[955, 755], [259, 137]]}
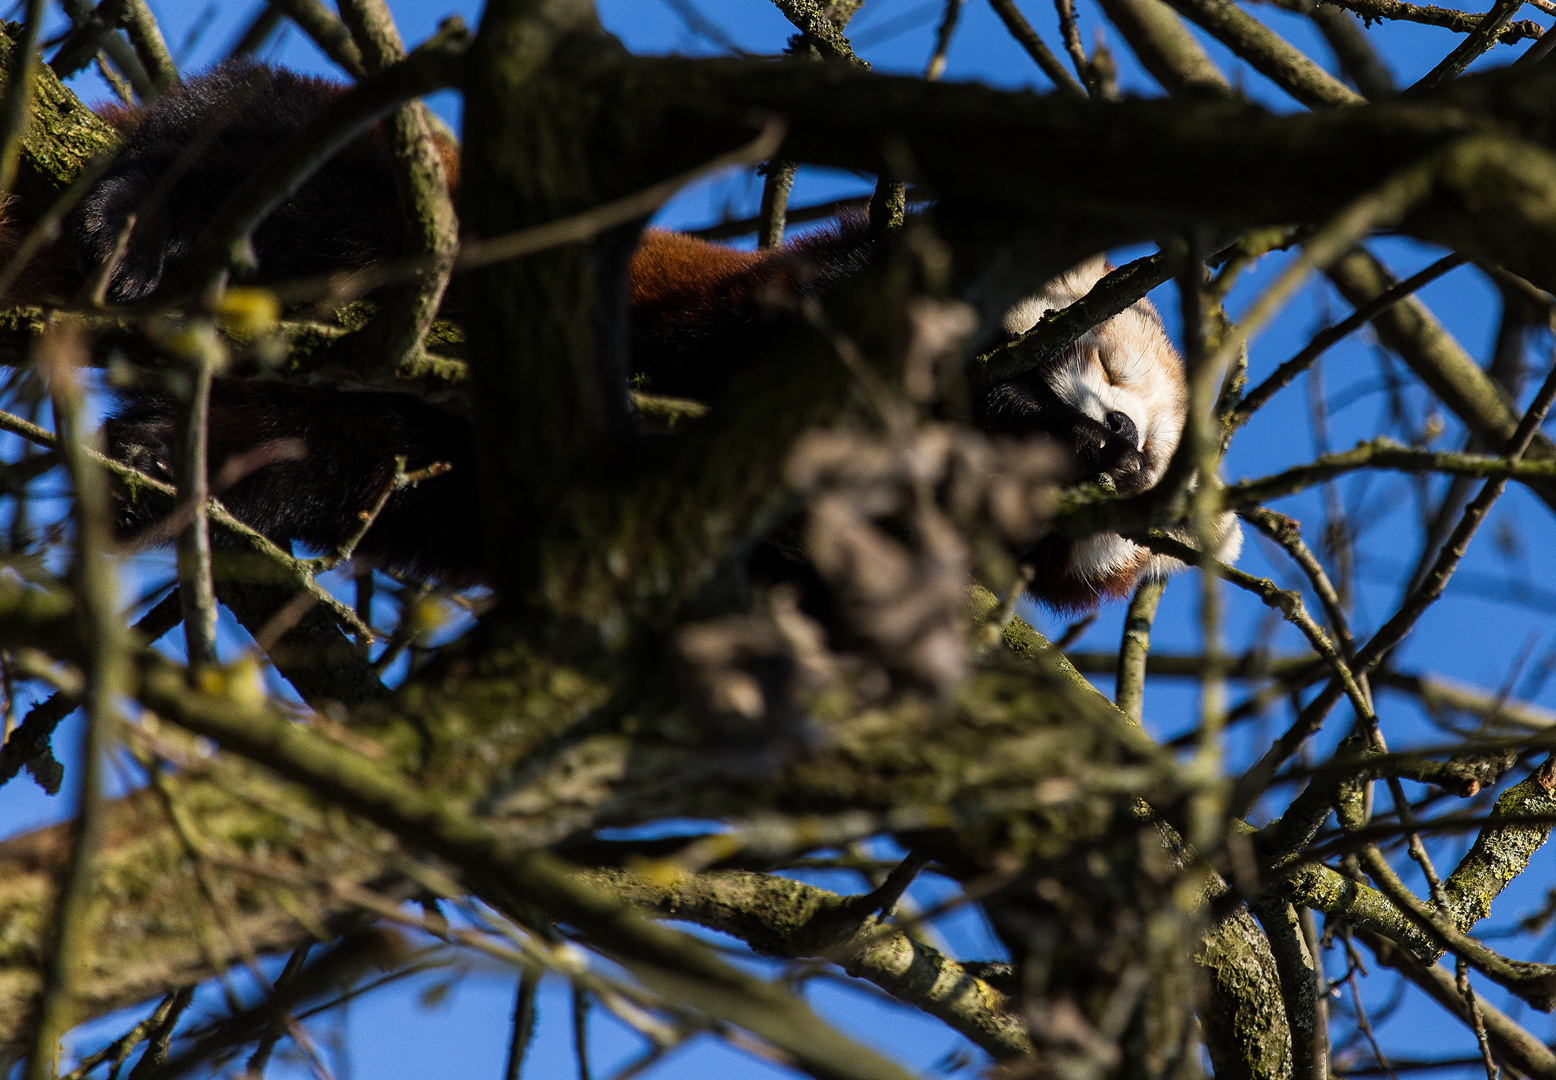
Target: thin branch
{"points": [[774, 214], [1362, 1022], [1069, 30], [943, 36], [1167, 48], [1205, 369], [1383, 453], [94, 35], [1057, 330], [1040, 53], [1268, 53], [196, 587], [726, 230], [156, 1053], [1354, 51], [1288, 534], [1486, 33], [301, 570], [258, 32], [398, 481], [1511, 1042], [1288, 603], [884, 897], [95, 590], [523, 1019], [255, 1069], [581, 1030], [1467, 992], [1320, 1068], [431, 227], [1129, 691], [146, 36], [326, 31], [122, 1047], [1463, 22], [1364, 314]]}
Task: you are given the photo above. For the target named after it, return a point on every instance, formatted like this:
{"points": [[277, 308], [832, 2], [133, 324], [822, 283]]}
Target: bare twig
{"points": [[196, 587], [1040, 53], [255, 1069], [398, 481], [1288, 534], [1069, 29], [1477, 1018], [1361, 1010], [301, 570], [775, 203], [95, 590], [122, 1047], [1386, 454], [327, 32], [1136, 646], [146, 36], [581, 1030], [1282, 376], [431, 228], [1463, 22], [943, 36], [1476, 42], [156, 1053], [523, 1019]]}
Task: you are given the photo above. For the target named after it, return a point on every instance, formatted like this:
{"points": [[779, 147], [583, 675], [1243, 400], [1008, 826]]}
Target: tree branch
{"points": [[788, 919]]}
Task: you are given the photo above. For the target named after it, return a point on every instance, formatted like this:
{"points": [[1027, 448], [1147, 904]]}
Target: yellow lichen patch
{"points": [[248, 310]]}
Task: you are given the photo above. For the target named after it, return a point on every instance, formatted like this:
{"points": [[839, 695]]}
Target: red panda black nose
{"points": [[1123, 427]]}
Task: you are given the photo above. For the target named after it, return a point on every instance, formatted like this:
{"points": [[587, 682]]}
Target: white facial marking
{"points": [[1124, 365]]}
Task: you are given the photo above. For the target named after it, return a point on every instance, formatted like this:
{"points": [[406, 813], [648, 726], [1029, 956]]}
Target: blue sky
{"points": [[1490, 617]]}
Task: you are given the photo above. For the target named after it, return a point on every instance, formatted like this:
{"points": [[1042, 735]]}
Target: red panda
{"points": [[1116, 398]]}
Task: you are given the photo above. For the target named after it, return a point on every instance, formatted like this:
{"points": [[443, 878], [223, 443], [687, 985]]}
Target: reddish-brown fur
{"points": [[673, 269]]}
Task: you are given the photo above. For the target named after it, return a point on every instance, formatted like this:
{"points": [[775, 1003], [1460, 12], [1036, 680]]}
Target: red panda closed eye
{"points": [[1116, 399]]}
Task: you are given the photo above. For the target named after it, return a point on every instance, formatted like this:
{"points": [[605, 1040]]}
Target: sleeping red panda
{"points": [[1116, 399]]}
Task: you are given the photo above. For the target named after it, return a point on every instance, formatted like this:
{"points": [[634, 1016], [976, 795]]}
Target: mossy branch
{"points": [[784, 918], [1462, 22], [1385, 453]]}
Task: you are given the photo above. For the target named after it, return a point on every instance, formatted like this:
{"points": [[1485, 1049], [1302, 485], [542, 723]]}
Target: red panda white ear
{"points": [[1060, 292]]}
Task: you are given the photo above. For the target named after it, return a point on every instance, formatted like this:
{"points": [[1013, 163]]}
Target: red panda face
{"points": [[1116, 399]]}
